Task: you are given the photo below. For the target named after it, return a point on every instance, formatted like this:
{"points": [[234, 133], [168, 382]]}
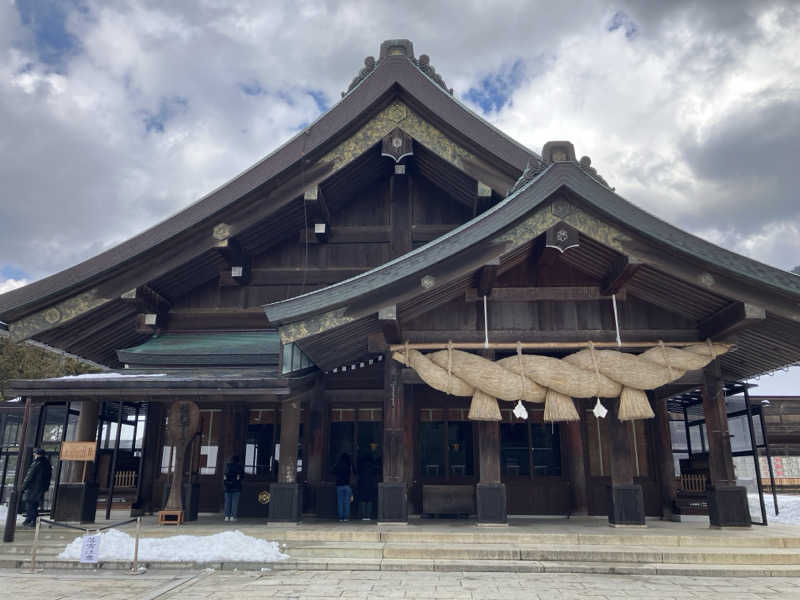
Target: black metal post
{"points": [[11, 516], [754, 448], [141, 454], [688, 433], [769, 458], [99, 441], [113, 472]]}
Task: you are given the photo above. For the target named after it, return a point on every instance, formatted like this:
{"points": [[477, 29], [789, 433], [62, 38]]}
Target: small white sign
{"points": [[90, 548]]}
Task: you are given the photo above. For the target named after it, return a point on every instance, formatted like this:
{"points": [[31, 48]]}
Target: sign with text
{"points": [[90, 548], [78, 451]]}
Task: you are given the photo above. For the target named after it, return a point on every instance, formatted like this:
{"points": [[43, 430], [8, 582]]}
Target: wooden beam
{"points": [[239, 263], [563, 335], [372, 234], [318, 214], [390, 326], [533, 294], [483, 198], [400, 198], [487, 277], [619, 273], [147, 299], [729, 320]]}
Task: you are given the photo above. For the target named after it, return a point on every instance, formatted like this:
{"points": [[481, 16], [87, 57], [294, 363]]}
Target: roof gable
{"points": [[397, 90]]}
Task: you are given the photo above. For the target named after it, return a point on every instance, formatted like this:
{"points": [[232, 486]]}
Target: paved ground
{"points": [[211, 585]]}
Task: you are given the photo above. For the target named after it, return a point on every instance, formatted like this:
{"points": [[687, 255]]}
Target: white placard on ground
{"points": [[90, 548]]}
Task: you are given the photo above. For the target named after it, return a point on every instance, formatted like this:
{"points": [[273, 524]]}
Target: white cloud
{"points": [[11, 284]]}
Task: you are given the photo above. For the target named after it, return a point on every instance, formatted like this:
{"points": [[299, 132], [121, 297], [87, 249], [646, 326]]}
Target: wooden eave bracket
{"points": [[619, 274], [731, 319], [154, 308], [390, 326], [239, 263], [319, 216], [487, 277]]}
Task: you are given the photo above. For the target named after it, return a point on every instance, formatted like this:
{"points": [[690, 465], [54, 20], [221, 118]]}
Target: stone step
{"points": [[470, 535], [387, 564], [336, 549]]}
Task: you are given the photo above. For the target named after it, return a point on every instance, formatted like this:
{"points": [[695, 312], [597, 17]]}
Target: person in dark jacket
{"points": [[234, 473], [344, 493], [35, 484], [367, 485]]}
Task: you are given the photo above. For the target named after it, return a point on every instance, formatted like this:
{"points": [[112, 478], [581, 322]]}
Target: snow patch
{"points": [[228, 546], [4, 513], [788, 508]]}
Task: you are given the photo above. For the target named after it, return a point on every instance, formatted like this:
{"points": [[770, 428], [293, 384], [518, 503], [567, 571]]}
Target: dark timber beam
{"points": [[483, 198], [319, 217], [238, 261], [532, 294], [620, 272], [729, 320], [390, 326], [155, 309], [487, 277]]}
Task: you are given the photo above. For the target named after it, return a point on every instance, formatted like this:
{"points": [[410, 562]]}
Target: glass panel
{"points": [[209, 441], [431, 448], [677, 433], [697, 446], [546, 446], [514, 450], [11, 431], [757, 428], [740, 434], [53, 427], [342, 441], [259, 454], [459, 443], [677, 457]]}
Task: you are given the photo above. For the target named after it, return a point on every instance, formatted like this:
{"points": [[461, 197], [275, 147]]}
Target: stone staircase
{"points": [[510, 549]]}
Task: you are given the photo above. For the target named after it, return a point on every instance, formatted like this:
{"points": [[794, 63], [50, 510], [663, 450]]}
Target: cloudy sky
{"points": [[114, 115]]}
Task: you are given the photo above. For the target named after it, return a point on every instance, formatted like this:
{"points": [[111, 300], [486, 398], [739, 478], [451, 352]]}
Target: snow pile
{"points": [[228, 546], [4, 514], [788, 507]]}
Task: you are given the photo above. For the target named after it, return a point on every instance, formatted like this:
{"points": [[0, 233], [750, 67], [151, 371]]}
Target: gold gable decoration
{"points": [[535, 378]]}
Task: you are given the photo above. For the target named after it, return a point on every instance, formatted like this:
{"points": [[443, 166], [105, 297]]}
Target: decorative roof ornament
{"points": [[532, 170], [424, 64], [369, 67], [398, 47], [586, 164]]}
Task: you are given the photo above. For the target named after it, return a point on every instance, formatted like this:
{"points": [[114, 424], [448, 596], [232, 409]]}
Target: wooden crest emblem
{"points": [[397, 145], [562, 237]]}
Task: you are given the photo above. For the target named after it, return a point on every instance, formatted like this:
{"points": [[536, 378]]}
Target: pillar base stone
{"points": [[728, 507], [626, 505], [392, 503], [286, 503]]}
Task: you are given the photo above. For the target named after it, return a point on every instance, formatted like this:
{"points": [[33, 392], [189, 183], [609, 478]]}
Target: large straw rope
{"points": [[535, 378]]}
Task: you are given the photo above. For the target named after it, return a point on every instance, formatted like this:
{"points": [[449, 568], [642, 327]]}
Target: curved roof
{"points": [[393, 75], [415, 264]]}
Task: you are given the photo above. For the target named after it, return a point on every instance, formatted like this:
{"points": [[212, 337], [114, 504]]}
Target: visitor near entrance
{"points": [[367, 485], [344, 493], [234, 472], [35, 484]]}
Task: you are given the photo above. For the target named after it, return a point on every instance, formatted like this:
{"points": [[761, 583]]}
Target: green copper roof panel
{"points": [[228, 348]]}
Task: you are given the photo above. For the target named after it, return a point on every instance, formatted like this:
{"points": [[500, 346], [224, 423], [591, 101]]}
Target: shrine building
{"points": [[487, 330]]}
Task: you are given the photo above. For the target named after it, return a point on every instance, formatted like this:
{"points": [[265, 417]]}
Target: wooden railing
{"points": [[693, 482], [125, 479]]}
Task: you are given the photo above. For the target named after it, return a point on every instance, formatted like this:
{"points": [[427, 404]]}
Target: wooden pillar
{"points": [[727, 502], [323, 494], [576, 466], [626, 501], [286, 500], [151, 457], [393, 491], [664, 458], [490, 493]]}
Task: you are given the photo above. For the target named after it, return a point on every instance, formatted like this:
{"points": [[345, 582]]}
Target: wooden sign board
{"points": [[83, 451]]}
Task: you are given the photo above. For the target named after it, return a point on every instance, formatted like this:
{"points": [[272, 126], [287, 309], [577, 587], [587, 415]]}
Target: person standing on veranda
{"points": [[35, 484], [234, 473], [344, 493]]}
